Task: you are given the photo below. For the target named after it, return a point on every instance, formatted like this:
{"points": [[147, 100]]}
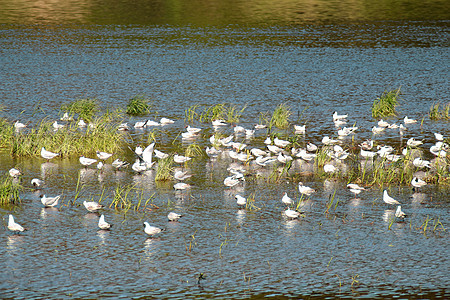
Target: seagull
{"points": [[421, 163], [18, 125], [193, 130], [103, 224], [66, 117], [117, 164], [49, 201], [258, 152], [329, 168], [100, 165], [291, 214], [181, 186], [399, 213], [180, 159], [388, 199], [260, 126], [366, 145], [47, 154], [13, 226], [417, 183], [172, 216], [382, 123], [238, 129], [300, 129], [280, 143], [354, 188], [103, 155], [311, 147], [232, 181], [181, 175], [241, 201], [286, 199], [14, 172], [438, 136], [139, 166], [57, 126], [338, 117], [92, 206], [37, 182], [166, 121], [140, 124], [407, 120], [160, 155], [151, 230], [413, 143], [305, 190], [85, 161], [218, 122], [81, 123]]}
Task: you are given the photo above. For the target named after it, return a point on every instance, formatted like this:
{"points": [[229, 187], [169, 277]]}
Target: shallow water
{"points": [[337, 62]]}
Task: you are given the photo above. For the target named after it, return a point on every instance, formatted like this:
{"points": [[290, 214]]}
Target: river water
{"points": [[317, 57]]}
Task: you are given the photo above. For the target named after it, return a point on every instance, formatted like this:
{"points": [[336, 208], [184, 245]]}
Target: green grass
{"points": [[85, 108], [165, 169], [437, 114], [69, 141], [224, 111], [280, 116], [191, 114], [9, 191], [138, 105], [385, 105]]}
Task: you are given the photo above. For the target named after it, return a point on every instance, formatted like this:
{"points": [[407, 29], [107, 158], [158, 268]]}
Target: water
{"points": [[316, 60]]}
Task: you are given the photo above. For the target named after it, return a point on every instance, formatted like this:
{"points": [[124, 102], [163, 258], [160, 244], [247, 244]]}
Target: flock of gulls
{"points": [[276, 152]]}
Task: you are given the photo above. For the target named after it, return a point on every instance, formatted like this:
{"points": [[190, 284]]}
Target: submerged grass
{"points": [[85, 108], [9, 191], [138, 105], [437, 114], [126, 196], [385, 105]]}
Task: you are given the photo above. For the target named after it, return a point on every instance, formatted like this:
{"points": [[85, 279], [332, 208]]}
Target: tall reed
{"points": [[138, 105], [385, 105], [85, 108], [9, 191], [280, 116]]}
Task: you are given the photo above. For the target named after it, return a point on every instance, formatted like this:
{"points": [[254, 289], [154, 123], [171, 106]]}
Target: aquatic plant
{"points": [[223, 111], [191, 114], [385, 105], [280, 116], [85, 108], [250, 204], [165, 169], [192, 243], [331, 201], [126, 195], [138, 105], [436, 114], [193, 150], [6, 133], [69, 141], [9, 191]]}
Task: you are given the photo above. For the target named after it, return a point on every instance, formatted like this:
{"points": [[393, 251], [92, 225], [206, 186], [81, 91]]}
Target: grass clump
{"points": [[138, 105], [385, 105], [85, 108], [190, 114], [165, 169], [280, 116], [222, 111], [9, 191], [436, 114]]}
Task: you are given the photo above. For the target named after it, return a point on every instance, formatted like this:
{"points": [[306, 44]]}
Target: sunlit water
{"points": [[350, 251]]}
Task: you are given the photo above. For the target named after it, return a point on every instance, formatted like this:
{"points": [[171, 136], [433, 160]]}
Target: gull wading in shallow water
{"points": [[388, 199], [13, 226], [417, 183], [48, 154], [102, 224], [85, 161], [291, 214], [286, 199], [399, 213], [241, 201], [37, 183], [173, 216], [14, 172], [103, 155], [151, 230], [50, 201], [305, 190], [92, 206]]}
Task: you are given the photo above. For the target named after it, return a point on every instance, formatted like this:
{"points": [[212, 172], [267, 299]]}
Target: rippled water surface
{"points": [[315, 60]]}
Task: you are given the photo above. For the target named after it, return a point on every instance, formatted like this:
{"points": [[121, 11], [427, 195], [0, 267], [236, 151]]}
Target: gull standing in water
{"points": [[291, 214], [151, 230], [48, 154], [14, 172], [13, 226], [37, 183], [49, 201], [85, 161], [103, 155], [286, 199], [305, 190], [92, 206], [173, 216], [102, 224], [354, 188], [388, 199], [417, 183], [399, 213], [241, 201]]}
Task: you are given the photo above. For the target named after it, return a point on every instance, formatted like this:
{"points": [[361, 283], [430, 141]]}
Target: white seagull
{"points": [[286, 199], [14, 172], [241, 201], [103, 155], [399, 213], [92, 206], [417, 183], [181, 175], [388, 199], [102, 224], [36, 182], [291, 214], [181, 186], [173, 216], [49, 201], [305, 190], [180, 159], [48, 154], [13, 226], [151, 230], [85, 161]]}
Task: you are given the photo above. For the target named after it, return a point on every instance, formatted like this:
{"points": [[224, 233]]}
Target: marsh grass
{"points": [[224, 111], [280, 117], [191, 244], [332, 202], [126, 195], [9, 191], [251, 203], [385, 105], [69, 141], [193, 150], [191, 114], [437, 114], [138, 105], [7, 133], [85, 108], [165, 169]]}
